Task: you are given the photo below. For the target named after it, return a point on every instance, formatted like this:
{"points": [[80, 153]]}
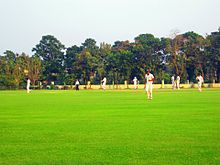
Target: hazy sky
{"points": [[24, 22]]}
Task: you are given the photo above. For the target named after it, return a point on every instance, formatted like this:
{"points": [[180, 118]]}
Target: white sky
{"points": [[24, 22]]}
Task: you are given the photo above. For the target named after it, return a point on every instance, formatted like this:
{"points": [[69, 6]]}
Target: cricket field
{"points": [[110, 127]]}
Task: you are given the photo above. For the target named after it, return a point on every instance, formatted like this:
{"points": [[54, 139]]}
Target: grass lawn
{"points": [[110, 127]]}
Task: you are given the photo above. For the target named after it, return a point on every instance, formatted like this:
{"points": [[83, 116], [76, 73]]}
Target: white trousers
{"points": [[135, 85], [178, 85], [28, 88], [103, 86], [173, 85], [149, 90], [200, 86]]}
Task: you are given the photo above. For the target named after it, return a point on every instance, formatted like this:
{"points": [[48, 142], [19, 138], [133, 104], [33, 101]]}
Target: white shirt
{"points": [[149, 78], [200, 78], [173, 79], [135, 80], [77, 83], [28, 82], [104, 81], [178, 78]]}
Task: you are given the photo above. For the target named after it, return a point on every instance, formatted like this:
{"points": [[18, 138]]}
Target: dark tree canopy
{"points": [[51, 51], [185, 55]]}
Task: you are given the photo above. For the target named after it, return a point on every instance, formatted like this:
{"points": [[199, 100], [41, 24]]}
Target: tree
{"points": [[13, 69], [83, 64], [90, 45], [177, 57], [182, 54], [112, 68], [165, 69], [104, 50], [34, 69], [213, 55], [193, 46], [70, 64], [92, 51], [4, 72], [146, 49], [51, 51], [123, 54], [8, 63]]}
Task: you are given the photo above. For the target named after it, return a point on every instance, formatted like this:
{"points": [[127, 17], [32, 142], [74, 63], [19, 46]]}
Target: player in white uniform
{"points": [[149, 78], [178, 82], [28, 85], [173, 82], [200, 81], [135, 80], [104, 83], [77, 84]]}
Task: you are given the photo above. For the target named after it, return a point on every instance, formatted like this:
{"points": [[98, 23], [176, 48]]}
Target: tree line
{"points": [[185, 55]]}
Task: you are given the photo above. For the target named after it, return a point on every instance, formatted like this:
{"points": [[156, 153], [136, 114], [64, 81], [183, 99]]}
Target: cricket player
{"points": [[149, 78], [173, 82], [200, 80], [135, 80], [77, 84], [104, 83], [28, 85], [178, 82]]}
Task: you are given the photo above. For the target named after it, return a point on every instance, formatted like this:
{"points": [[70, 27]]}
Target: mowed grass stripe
{"points": [[110, 127]]}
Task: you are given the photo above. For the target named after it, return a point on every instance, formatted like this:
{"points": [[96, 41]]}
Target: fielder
{"points": [[28, 85], [135, 80], [149, 78], [173, 82], [200, 80], [104, 83], [77, 84], [178, 82]]}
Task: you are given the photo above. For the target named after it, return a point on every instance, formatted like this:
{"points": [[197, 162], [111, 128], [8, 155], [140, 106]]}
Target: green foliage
{"points": [[51, 51], [184, 55], [15, 69], [213, 56]]}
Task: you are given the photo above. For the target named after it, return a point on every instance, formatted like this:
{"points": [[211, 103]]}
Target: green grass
{"points": [[110, 127]]}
